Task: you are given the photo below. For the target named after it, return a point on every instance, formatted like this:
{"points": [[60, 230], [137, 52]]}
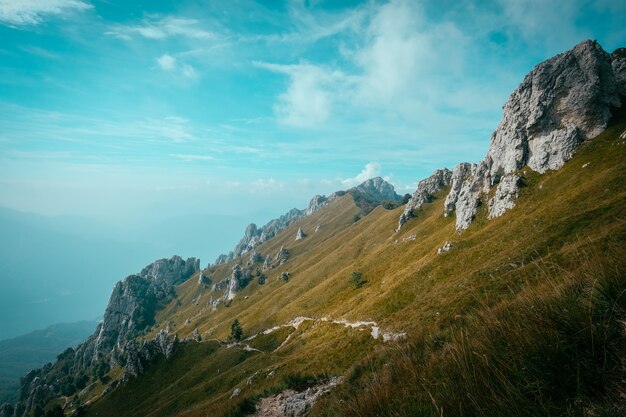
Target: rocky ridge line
{"points": [[369, 193], [561, 103]]}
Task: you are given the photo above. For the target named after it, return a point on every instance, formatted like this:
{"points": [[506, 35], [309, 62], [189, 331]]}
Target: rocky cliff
{"points": [[131, 310], [559, 104]]}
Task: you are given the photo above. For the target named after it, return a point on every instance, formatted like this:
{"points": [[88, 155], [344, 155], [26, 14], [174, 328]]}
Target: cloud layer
{"points": [[32, 12]]}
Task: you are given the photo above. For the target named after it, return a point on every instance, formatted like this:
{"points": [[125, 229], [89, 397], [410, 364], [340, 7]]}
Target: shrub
{"points": [[357, 279], [236, 330]]}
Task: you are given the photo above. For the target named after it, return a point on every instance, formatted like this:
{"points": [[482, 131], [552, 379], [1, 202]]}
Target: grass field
{"points": [[524, 316]]}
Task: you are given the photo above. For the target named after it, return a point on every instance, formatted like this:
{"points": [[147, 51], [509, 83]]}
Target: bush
{"points": [[406, 198], [357, 279], [390, 204], [236, 330]]}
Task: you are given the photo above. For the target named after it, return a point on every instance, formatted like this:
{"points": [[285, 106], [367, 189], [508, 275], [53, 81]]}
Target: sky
{"points": [[138, 111]]}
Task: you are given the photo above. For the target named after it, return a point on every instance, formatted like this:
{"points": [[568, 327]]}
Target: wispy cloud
{"points": [[370, 170], [33, 12], [161, 28], [308, 100], [170, 64]]}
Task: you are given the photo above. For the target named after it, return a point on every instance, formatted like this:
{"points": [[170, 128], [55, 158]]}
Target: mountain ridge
{"points": [[353, 244]]}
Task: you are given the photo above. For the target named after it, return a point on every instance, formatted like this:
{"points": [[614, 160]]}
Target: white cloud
{"points": [[371, 170], [166, 62], [170, 64], [308, 99], [160, 28], [32, 12]]}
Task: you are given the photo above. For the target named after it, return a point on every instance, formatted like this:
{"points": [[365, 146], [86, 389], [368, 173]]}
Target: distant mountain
{"points": [[32, 350]]}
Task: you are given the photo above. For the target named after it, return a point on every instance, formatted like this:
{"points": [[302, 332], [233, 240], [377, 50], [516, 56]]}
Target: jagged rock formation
{"points": [[425, 192], [561, 102], [460, 174], [366, 195], [377, 190], [131, 309], [134, 301], [139, 356], [234, 283], [300, 234]]}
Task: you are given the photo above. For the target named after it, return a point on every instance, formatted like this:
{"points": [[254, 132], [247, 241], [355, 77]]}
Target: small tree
{"points": [[357, 279], [236, 330]]}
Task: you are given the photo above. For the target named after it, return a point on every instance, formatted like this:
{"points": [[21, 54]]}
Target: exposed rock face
{"points": [[233, 284], [139, 356], [561, 102], [425, 192], [377, 190], [460, 173], [131, 309], [300, 234], [203, 279], [505, 196], [134, 301], [317, 202], [267, 264], [282, 256]]}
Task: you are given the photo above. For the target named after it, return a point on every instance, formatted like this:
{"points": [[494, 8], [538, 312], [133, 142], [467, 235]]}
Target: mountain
{"points": [[499, 293], [32, 350]]}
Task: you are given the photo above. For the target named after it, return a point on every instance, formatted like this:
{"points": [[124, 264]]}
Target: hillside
{"points": [[500, 292], [23, 353]]}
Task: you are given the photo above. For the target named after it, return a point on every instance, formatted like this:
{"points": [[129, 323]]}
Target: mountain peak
{"points": [[562, 102], [378, 189]]}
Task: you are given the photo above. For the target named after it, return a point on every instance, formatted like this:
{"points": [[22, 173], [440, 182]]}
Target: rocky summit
{"points": [[561, 103]]}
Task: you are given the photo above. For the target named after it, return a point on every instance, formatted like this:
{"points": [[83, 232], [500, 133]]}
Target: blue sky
{"points": [[129, 111]]}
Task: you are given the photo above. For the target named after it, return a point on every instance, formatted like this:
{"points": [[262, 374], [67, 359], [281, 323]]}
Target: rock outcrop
{"points": [[425, 192], [131, 309], [139, 356], [134, 301], [376, 190], [366, 195], [300, 234], [559, 104]]}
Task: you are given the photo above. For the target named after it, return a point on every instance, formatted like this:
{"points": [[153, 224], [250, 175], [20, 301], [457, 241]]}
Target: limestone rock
{"points": [[233, 284], [282, 256], [138, 357], [300, 234], [460, 173], [445, 248], [506, 194], [560, 103], [377, 190], [203, 279], [267, 264], [316, 203], [425, 193]]}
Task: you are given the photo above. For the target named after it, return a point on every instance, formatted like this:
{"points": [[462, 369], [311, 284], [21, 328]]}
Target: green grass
{"points": [[521, 317]]}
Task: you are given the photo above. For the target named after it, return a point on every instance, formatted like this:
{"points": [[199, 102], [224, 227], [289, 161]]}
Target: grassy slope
{"points": [[517, 289]]}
